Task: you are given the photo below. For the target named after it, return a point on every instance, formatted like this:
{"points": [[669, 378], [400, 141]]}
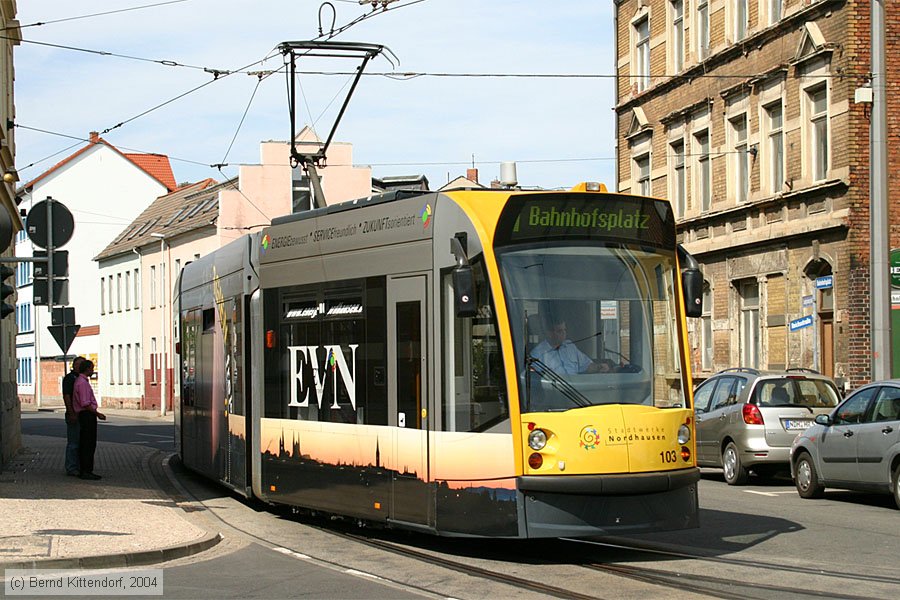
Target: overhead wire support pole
{"points": [[878, 204]]}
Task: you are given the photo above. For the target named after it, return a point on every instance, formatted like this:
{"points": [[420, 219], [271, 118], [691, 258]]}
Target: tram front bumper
{"points": [[590, 505]]}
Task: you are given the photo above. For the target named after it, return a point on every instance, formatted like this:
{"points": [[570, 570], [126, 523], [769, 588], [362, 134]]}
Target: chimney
{"points": [[472, 175], [95, 137]]}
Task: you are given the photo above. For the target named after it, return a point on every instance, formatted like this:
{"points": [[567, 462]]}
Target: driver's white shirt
{"points": [[565, 359]]}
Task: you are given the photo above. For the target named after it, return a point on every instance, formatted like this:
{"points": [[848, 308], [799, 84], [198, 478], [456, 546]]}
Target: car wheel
{"points": [[735, 471], [896, 486], [807, 480]]}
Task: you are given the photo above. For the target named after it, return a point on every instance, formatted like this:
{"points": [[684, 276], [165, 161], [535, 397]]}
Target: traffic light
{"points": [[6, 290]]}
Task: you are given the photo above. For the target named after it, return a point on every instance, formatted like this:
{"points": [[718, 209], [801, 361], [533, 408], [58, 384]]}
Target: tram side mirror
{"points": [[463, 280], [464, 291], [692, 284]]}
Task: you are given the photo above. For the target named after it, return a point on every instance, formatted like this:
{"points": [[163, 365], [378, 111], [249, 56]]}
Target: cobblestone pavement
{"points": [[48, 519]]}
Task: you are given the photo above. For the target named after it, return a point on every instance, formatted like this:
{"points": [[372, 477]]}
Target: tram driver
{"points": [[560, 353]]}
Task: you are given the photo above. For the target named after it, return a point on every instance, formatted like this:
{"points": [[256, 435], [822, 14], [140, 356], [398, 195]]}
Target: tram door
{"points": [[411, 496]]}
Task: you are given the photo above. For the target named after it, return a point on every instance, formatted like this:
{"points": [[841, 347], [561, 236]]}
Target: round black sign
{"points": [[36, 224]]}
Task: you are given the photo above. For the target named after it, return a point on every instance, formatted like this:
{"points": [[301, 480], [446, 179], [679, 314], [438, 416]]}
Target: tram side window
{"points": [[475, 384], [190, 327], [330, 347]]}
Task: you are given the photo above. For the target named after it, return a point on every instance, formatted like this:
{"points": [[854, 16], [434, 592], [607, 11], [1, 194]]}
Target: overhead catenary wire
{"points": [[217, 73], [99, 14]]}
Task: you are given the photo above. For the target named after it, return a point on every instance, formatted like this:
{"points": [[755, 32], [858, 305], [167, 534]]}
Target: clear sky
{"points": [[559, 131]]}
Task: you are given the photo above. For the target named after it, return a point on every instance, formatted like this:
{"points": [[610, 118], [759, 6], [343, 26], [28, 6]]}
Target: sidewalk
{"points": [[49, 520], [57, 406]]}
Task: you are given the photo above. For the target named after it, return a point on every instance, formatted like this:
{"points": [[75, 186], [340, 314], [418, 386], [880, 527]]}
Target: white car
{"points": [[856, 447]]}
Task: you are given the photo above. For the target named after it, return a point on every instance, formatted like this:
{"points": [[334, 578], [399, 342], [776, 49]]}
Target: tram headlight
{"points": [[684, 434], [537, 439]]}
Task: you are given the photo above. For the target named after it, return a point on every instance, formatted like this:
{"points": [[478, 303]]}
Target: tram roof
{"points": [[350, 205]]}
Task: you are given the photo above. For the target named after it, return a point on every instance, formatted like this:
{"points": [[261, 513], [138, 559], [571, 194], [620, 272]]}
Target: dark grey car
{"points": [[856, 446], [747, 418]]}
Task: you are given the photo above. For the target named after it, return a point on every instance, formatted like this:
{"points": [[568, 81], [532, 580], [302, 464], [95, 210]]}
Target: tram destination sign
{"points": [[587, 216]]}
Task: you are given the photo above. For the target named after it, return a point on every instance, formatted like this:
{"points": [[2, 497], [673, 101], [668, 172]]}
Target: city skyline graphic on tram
{"points": [[350, 475]]}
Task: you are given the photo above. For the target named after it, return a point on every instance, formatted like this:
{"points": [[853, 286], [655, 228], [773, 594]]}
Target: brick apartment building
{"points": [[742, 113]]}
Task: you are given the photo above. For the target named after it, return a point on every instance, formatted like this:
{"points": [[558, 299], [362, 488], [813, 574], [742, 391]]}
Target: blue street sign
{"points": [[800, 323], [824, 282]]}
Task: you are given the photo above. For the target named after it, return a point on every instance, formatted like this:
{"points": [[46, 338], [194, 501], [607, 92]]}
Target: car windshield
{"points": [[593, 323], [812, 393]]}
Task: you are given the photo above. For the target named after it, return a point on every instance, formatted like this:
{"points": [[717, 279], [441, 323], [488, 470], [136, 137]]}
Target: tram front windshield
{"points": [[593, 324]]}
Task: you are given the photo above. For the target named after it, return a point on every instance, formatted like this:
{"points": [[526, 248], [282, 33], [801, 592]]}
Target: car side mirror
{"points": [[823, 420]]}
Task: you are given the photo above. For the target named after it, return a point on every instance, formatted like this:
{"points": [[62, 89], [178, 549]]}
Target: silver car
{"points": [[856, 447], [747, 418]]}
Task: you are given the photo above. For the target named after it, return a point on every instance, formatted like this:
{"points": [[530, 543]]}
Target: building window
{"points": [[818, 124], [112, 361], [152, 286], [775, 8], [642, 53], [740, 19], [740, 158], [642, 174], [703, 28], [128, 363], [121, 365], [127, 290], [153, 360], [109, 292], [775, 146], [103, 295], [23, 318], [162, 284], [119, 292], [23, 274], [750, 335], [706, 341], [677, 11], [704, 169], [137, 288], [679, 178], [138, 374], [24, 373]]}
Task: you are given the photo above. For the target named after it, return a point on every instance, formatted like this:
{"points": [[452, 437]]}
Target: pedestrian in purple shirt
{"points": [[85, 406], [72, 426]]}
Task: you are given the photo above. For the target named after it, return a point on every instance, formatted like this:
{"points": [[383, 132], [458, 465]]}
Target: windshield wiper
{"points": [[564, 387]]}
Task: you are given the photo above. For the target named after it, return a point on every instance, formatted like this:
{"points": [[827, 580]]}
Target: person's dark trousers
{"points": [[87, 441], [72, 458]]}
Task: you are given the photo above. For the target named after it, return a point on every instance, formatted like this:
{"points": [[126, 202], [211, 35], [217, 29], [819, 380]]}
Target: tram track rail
{"points": [[842, 576], [611, 559]]}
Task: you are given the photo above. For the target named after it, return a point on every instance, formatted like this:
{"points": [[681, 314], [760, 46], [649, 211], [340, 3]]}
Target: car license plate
{"points": [[797, 424]]}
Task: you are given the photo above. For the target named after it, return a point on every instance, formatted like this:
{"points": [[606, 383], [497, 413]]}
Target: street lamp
{"points": [[163, 397]]}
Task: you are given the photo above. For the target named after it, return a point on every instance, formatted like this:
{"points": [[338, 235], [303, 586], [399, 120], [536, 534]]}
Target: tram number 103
{"points": [[669, 456]]}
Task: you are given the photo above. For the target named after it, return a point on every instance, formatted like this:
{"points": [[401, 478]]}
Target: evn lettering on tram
{"points": [[334, 361]]}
